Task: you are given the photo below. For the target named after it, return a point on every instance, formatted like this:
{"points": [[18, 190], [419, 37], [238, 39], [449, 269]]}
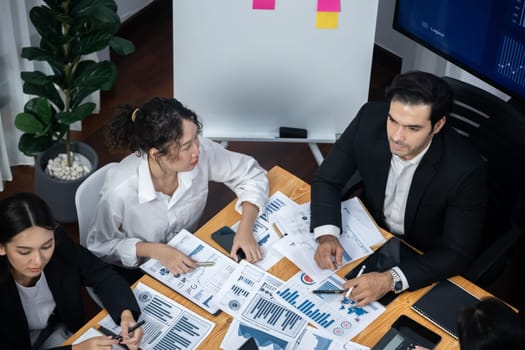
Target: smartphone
{"points": [[405, 333], [224, 237]]}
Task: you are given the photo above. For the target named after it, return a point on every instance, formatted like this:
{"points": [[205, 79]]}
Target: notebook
{"points": [[442, 304]]}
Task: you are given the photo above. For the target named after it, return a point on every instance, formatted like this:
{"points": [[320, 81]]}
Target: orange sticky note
{"points": [[263, 4], [327, 20]]}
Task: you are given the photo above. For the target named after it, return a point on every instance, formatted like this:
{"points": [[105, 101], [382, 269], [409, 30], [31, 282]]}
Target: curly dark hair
{"points": [[156, 124]]}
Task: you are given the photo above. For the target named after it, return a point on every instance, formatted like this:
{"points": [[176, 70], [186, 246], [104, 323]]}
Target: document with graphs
{"points": [[168, 325], [249, 296], [202, 284], [339, 317]]}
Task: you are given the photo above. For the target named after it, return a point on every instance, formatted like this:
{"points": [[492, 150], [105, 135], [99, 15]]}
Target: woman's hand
{"points": [[244, 237], [174, 260], [246, 241], [131, 340]]}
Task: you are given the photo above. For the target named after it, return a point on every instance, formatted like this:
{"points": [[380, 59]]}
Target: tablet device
{"points": [[224, 237], [387, 256], [405, 333]]}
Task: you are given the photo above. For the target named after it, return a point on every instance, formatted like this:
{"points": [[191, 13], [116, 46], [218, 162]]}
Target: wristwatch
{"points": [[397, 285]]}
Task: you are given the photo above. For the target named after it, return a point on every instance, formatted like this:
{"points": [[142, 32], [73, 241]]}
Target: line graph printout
{"points": [[169, 325], [201, 284], [327, 311], [357, 220], [249, 295]]}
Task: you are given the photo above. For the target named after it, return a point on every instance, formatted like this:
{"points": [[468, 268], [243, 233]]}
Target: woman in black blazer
{"points": [[42, 272]]}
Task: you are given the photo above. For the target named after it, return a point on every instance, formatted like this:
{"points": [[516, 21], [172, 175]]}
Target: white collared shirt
{"points": [[398, 184], [131, 211]]}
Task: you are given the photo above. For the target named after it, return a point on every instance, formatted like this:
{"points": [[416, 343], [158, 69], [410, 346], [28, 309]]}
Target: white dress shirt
{"points": [[131, 211]]}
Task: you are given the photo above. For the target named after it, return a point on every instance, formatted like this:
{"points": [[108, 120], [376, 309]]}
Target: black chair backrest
{"points": [[497, 130]]}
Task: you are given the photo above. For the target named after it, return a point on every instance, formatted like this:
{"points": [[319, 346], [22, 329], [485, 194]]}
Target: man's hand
{"points": [[329, 247], [369, 287]]}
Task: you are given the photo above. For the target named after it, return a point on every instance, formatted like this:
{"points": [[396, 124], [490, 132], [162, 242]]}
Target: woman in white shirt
{"points": [[41, 274], [162, 187]]}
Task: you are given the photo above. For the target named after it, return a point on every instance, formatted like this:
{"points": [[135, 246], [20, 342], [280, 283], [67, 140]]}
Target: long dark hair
{"points": [[18, 213], [490, 324]]}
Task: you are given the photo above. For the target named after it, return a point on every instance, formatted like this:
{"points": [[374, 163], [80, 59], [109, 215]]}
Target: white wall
{"points": [[415, 56]]}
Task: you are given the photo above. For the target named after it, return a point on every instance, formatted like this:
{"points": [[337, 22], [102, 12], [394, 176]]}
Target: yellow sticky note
{"points": [[327, 20]]}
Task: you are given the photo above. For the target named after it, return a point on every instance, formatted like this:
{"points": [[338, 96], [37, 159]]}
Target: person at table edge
{"points": [[421, 180]]}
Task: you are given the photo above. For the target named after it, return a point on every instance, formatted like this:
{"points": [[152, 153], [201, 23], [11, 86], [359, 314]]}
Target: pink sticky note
{"points": [[329, 5], [263, 4]]}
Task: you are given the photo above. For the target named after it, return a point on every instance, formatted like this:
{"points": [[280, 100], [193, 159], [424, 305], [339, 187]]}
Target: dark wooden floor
{"points": [[149, 72]]}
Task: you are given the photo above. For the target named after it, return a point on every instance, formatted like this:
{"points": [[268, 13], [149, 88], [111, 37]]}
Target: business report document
{"points": [[169, 325], [202, 284]]}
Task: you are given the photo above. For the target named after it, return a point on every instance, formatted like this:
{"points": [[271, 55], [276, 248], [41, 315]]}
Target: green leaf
{"points": [[79, 113], [95, 74], [81, 7], [31, 145], [89, 43], [28, 123], [48, 91], [121, 46], [45, 23], [40, 108], [36, 78]]}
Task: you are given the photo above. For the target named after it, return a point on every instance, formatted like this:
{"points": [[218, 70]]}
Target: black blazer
{"points": [[70, 268], [446, 203]]}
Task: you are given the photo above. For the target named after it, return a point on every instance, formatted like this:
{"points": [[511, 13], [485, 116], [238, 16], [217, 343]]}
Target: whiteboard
{"points": [[247, 72]]}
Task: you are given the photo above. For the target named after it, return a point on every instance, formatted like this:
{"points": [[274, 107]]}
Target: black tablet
{"points": [[387, 256]]}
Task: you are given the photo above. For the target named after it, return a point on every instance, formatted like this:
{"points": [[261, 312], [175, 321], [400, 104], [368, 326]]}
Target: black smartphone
{"points": [[224, 237], [405, 333]]}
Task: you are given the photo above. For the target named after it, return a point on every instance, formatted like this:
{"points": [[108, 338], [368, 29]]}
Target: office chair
{"points": [[86, 199], [497, 130]]}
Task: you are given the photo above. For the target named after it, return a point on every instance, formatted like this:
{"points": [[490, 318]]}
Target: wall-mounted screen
{"points": [[484, 37]]}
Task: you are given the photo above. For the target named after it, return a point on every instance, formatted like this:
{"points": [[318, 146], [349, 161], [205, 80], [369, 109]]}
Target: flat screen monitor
{"points": [[484, 37]]}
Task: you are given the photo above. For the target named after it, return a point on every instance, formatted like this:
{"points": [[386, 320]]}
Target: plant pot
{"points": [[60, 194]]}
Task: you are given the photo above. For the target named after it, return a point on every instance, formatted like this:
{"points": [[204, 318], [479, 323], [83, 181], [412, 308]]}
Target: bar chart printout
{"points": [[169, 325], [249, 295], [327, 311]]}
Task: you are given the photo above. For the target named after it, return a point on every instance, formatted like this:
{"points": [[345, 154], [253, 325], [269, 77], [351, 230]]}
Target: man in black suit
{"points": [[420, 180]]}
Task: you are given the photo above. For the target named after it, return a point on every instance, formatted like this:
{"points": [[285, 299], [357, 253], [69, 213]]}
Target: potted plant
{"points": [[69, 30]]}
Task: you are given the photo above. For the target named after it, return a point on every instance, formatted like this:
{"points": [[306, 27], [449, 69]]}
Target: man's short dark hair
{"points": [[416, 87]]}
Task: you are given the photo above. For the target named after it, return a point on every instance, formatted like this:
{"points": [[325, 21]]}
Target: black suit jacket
{"points": [[70, 267], [446, 204]]}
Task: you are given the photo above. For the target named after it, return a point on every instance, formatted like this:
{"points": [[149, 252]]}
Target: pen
{"points": [[131, 329], [206, 263], [347, 295], [329, 291]]}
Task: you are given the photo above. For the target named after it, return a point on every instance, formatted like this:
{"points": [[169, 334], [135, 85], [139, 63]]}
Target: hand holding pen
{"points": [[340, 291]]}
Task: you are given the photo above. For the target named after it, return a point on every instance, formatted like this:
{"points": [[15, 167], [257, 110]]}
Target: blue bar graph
{"points": [[270, 314], [307, 307]]}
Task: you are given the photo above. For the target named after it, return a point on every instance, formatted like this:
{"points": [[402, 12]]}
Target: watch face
{"points": [[398, 286]]}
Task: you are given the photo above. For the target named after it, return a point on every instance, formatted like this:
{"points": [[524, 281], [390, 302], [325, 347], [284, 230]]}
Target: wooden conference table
{"points": [[299, 191]]}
